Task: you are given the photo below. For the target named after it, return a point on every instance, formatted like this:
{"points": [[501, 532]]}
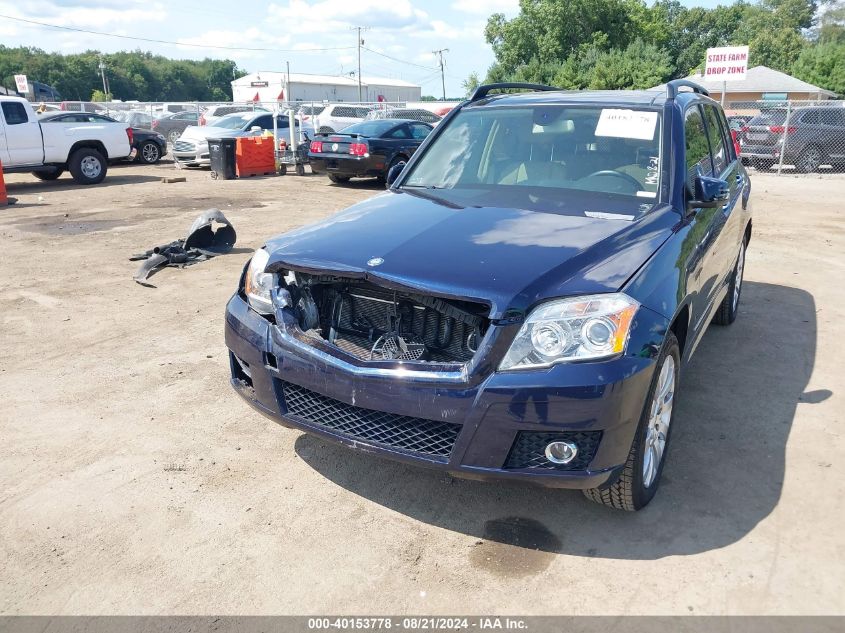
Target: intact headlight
{"points": [[576, 329], [257, 283]]}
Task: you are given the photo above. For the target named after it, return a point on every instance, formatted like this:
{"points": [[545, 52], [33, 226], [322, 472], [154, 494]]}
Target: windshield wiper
{"points": [[420, 187]]}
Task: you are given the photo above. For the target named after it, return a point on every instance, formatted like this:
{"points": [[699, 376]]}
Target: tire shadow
{"points": [[725, 467]]}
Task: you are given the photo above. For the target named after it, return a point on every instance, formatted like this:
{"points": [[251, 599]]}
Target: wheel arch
{"points": [[89, 144]]}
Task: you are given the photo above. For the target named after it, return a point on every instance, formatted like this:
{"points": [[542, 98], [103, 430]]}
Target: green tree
{"points": [[823, 65]]}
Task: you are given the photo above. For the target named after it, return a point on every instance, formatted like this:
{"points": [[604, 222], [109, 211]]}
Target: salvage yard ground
{"points": [[134, 481]]}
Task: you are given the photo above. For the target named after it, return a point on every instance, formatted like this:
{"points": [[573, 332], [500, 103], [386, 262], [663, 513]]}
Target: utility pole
{"points": [[439, 53], [360, 43], [287, 85], [105, 81]]}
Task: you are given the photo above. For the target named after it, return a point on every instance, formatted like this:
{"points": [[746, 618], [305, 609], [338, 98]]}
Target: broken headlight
{"points": [[257, 283], [577, 329]]}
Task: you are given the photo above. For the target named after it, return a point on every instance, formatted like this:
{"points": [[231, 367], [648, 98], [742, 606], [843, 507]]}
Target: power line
{"points": [[154, 41], [396, 59]]}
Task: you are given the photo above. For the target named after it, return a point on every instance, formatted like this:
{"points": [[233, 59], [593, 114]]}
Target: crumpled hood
{"points": [[508, 258]]}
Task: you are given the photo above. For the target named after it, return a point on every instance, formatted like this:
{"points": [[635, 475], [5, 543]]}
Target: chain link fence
{"points": [[791, 136]]}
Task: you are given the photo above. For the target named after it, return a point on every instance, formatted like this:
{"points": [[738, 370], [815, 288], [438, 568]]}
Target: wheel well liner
{"points": [[680, 327]]}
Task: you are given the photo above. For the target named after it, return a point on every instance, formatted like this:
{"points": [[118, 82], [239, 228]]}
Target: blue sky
{"points": [[401, 34]]}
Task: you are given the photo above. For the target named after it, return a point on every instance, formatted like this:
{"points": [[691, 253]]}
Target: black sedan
{"points": [[172, 125], [366, 149], [149, 146]]}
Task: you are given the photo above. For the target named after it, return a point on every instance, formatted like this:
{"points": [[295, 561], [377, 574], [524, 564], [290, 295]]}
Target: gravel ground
{"points": [[134, 481]]}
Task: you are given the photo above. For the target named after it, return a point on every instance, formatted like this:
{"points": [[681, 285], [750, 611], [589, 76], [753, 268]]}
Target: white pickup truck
{"points": [[47, 149]]}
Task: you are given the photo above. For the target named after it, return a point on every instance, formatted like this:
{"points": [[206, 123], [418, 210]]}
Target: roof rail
{"points": [[483, 91], [672, 87]]}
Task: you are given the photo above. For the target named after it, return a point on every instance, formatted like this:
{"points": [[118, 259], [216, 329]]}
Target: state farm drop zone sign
{"points": [[726, 63]]}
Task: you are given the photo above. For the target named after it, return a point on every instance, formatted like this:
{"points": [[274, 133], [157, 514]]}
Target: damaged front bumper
{"points": [[470, 420]]}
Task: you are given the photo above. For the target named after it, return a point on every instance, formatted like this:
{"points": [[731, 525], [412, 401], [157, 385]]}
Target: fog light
{"points": [[561, 452]]}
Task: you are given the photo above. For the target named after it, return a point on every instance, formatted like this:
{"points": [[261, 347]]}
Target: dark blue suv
{"points": [[520, 302]]}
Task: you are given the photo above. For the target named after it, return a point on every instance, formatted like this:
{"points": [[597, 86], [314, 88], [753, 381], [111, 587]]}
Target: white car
{"points": [[212, 113], [331, 117], [48, 148], [191, 149]]}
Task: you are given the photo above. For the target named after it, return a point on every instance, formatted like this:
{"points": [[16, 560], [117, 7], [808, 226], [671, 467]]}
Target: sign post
{"points": [[728, 63], [22, 84]]}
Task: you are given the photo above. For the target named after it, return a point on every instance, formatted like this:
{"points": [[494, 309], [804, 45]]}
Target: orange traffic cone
{"points": [[4, 199]]}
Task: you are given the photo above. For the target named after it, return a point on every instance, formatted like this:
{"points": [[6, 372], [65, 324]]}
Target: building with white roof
{"points": [[271, 87], [762, 83]]}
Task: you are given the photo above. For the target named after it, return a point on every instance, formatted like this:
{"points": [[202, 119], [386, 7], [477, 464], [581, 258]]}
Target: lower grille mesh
{"points": [[528, 451], [409, 434]]}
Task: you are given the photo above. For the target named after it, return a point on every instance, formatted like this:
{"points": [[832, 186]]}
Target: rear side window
{"points": [[14, 113], [721, 154], [831, 116], [697, 147], [810, 117], [344, 111], [418, 131]]}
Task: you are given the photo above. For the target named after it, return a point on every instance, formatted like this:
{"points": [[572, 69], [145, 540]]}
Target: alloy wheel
{"points": [[658, 422], [150, 153]]}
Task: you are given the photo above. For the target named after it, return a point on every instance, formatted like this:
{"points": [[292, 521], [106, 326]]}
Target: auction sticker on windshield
{"points": [[627, 124]]}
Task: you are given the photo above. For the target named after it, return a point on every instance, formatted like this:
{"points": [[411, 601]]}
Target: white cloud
{"points": [[487, 7], [338, 16], [92, 16]]}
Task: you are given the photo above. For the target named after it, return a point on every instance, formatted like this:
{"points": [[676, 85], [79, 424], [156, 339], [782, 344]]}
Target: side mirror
{"points": [[709, 192], [256, 128], [394, 172]]}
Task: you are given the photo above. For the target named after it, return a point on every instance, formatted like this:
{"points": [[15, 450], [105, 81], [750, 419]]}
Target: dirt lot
{"points": [[134, 481]]}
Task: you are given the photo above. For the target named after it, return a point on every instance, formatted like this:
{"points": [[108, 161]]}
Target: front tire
{"points": [[726, 314], [48, 175], [149, 153], [173, 136], [640, 476], [87, 166]]}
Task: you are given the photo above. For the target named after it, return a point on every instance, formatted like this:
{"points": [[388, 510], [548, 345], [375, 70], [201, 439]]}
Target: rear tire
{"points": [[726, 314], [48, 175], [762, 164], [87, 166], [338, 180], [809, 161], [640, 476]]}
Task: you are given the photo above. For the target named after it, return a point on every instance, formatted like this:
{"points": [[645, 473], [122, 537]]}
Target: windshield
{"points": [[234, 121], [545, 151], [370, 128]]}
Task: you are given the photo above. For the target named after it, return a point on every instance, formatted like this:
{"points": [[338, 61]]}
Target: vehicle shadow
{"points": [[66, 183], [724, 473]]}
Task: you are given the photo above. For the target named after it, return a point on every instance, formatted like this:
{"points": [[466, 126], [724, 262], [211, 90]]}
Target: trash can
{"points": [[221, 152]]}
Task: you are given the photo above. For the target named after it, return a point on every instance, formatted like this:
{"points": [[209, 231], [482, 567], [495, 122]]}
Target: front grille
{"points": [[184, 146], [408, 434], [528, 450]]}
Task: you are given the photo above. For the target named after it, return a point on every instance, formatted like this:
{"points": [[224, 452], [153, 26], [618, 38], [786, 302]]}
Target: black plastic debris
{"points": [[210, 235]]}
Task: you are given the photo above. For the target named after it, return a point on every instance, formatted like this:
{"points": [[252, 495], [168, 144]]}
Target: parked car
{"points": [[82, 106], [738, 122], [414, 114], [149, 146], [814, 136], [212, 113], [48, 147], [369, 148], [162, 109], [191, 149], [331, 117], [522, 300], [134, 118], [172, 125]]}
